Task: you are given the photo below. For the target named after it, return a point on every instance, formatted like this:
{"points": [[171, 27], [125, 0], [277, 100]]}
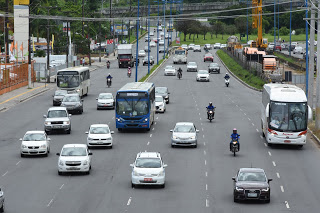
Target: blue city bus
{"points": [[135, 106]]}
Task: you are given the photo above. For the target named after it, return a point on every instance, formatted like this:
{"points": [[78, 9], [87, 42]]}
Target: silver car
{"points": [[170, 70], [1, 201], [192, 66], [164, 92], [58, 96], [197, 48], [73, 103], [57, 118], [160, 104], [184, 134], [105, 100]]}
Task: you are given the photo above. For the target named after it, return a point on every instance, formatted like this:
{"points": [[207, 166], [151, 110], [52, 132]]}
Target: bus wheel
{"points": [[120, 129], [148, 129]]}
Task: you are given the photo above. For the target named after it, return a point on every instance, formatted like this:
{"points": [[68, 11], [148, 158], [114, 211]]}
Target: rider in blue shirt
{"points": [[109, 76], [235, 136], [210, 107]]}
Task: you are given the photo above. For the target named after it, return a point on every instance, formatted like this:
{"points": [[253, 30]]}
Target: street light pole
{"points": [[148, 37], [164, 30], [158, 35], [290, 27], [247, 22], [136, 77], [307, 57]]}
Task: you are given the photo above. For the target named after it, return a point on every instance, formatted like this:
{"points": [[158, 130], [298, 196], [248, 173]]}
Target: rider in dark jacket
{"points": [[235, 136], [210, 107], [226, 76]]}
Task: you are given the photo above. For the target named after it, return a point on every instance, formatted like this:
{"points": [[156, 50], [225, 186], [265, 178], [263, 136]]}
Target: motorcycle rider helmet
{"points": [[109, 74], [210, 103], [234, 131]]}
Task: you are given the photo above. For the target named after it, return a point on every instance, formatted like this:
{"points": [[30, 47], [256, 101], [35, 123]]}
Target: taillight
{"points": [[272, 131], [303, 133]]}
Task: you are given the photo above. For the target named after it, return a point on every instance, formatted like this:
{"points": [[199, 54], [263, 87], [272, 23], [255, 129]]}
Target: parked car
{"points": [[214, 67], [160, 104], [99, 135], [57, 118], [298, 50], [251, 184], [208, 57], [197, 48], [35, 143], [184, 134], [74, 158], [217, 46], [105, 101], [164, 92], [73, 103], [145, 60], [142, 53], [148, 169], [58, 96], [203, 75], [170, 70], [192, 66]]}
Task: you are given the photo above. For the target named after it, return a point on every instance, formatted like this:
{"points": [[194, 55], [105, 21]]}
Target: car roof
{"points": [[192, 62], [57, 108], [35, 131], [105, 93], [75, 145], [213, 63], [251, 170], [72, 94], [148, 155], [99, 125], [185, 123], [159, 96], [162, 87], [202, 70]]}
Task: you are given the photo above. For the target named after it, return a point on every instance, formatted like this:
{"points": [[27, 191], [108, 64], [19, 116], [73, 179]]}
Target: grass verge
{"points": [[151, 71], [240, 72]]}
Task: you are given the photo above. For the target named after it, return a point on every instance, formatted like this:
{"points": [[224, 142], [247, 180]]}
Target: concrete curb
{"points": [[313, 135], [35, 94], [236, 77], [156, 70]]}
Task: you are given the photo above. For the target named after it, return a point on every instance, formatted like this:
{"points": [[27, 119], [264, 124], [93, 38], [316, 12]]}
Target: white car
{"points": [[191, 46], [294, 43], [160, 104], [298, 50], [203, 75], [217, 46], [35, 143], [142, 53], [99, 135], [207, 46], [249, 42], [170, 70], [197, 48], [152, 44], [151, 33], [148, 169], [192, 66], [146, 38], [74, 158], [184, 46], [167, 35], [105, 100], [161, 42], [223, 46]]}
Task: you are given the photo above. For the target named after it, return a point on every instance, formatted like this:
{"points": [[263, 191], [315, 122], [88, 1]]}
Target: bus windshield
{"points": [[68, 81], [288, 117], [132, 107]]}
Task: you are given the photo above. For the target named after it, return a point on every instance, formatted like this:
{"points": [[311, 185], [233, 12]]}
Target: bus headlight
{"points": [[146, 120], [78, 90]]}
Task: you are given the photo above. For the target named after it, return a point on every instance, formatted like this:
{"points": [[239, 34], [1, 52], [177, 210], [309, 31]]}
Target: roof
{"points": [[124, 46], [285, 93], [57, 108], [144, 86], [251, 170], [149, 155], [75, 145], [35, 131], [74, 69], [99, 125], [184, 123]]}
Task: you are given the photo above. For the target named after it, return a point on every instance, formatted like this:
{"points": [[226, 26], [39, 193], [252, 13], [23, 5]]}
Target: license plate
{"points": [[287, 141], [73, 168], [105, 105], [57, 127], [252, 194], [100, 143], [148, 179]]}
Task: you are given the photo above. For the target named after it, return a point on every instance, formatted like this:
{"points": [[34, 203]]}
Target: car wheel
{"points": [[69, 131], [2, 207], [48, 150], [81, 111], [88, 172], [22, 155], [46, 155], [270, 144], [119, 129], [195, 146], [267, 201], [163, 185], [47, 132], [235, 199], [133, 185], [59, 173]]}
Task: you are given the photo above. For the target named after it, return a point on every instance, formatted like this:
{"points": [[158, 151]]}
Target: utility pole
{"points": [[48, 53], [148, 37], [307, 55], [247, 21], [274, 25], [6, 34], [290, 27], [317, 126], [137, 49], [129, 30], [82, 17], [67, 58], [100, 32], [311, 59]]}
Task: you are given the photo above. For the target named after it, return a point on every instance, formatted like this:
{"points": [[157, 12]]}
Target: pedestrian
{"points": [[83, 61]]}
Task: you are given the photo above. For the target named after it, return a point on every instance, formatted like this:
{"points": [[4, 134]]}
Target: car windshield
{"points": [[141, 51], [60, 92], [159, 99], [34, 137], [74, 151], [208, 55], [148, 163], [203, 72], [146, 58], [192, 64], [214, 65], [71, 99], [105, 96], [57, 114], [124, 56], [288, 116], [184, 128], [99, 130], [197, 46], [252, 176], [68, 81], [161, 90], [169, 67]]}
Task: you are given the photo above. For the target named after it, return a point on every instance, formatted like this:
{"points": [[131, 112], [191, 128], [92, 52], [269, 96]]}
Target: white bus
{"points": [[284, 114], [74, 79]]}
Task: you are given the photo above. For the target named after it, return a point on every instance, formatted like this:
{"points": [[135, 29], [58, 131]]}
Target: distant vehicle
{"points": [[180, 55], [74, 79], [151, 33], [58, 96], [74, 158], [251, 184], [57, 118], [145, 60], [294, 43], [217, 46], [214, 67], [125, 55], [184, 134], [314, 42], [203, 75], [1, 200], [160, 104], [208, 57], [152, 44], [278, 46], [184, 46], [155, 40], [249, 42], [315, 56], [223, 46], [73, 103], [207, 46], [105, 101], [197, 48], [99, 135], [159, 28], [35, 143], [146, 38], [161, 49], [191, 46], [285, 112], [146, 49], [142, 53], [192, 66], [170, 70], [161, 42], [135, 106], [148, 169], [164, 92], [298, 50]]}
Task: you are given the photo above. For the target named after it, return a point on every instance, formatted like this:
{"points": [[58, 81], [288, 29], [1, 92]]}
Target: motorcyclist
{"points": [[235, 136], [226, 76], [109, 76], [129, 70], [180, 71], [210, 107]]}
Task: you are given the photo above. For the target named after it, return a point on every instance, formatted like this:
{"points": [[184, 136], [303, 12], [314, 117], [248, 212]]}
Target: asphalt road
{"points": [[197, 180]]}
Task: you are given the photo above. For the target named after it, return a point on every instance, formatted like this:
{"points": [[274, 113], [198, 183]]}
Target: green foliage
{"points": [[284, 31], [151, 71], [40, 53], [300, 31]]}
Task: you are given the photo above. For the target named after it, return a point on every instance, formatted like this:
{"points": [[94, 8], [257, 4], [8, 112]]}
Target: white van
{"points": [[298, 50]]}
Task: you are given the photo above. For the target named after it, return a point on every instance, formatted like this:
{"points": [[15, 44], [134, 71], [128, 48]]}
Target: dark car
{"points": [[73, 103], [58, 96], [214, 67], [251, 184], [208, 57], [145, 60], [164, 92]]}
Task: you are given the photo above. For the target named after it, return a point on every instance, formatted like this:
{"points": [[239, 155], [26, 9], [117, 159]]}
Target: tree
{"points": [[183, 26], [217, 27], [204, 30]]}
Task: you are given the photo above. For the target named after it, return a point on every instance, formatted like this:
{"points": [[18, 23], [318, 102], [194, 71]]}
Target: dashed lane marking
{"points": [[274, 163], [153, 128], [207, 203], [155, 123], [204, 143], [265, 145], [206, 187], [203, 136], [240, 109], [282, 189], [150, 135], [278, 175], [61, 186], [200, 119], [129, 201], [18, 162], [261, 137], [249, 119], [257, 130], [204, 152], [50, 203], [206, 174], [199, 113], [244, 113], [287, 204], [5, 174], [148, 143], [202, 129], [252, 124], [205, 162], [269, 153], [157, 118]]}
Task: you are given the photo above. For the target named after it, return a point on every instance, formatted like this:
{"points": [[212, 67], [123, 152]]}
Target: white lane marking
{"points": [[232, 101], [244, 113], [61, 186], [5, 174], [274, 163], [282, 189], [204, 143], [201, 123], [196, 105], [129, 201], [257, 130], [265, 145], [287, 204], [109, 122], [50, 202], [200, 119], [148, 143], [261, 137], [203, 136], [204, 152], [202, 129], [157, 118], [199, 113], [278, 175], [197, 108], [269, 153], [206, 187], [249, 119], [252, 124], [155, 123], [18, 162], [206, 174], [207, 203], [153, 128], [205, 162], [240, 109], [237, 105], [150, 135]]}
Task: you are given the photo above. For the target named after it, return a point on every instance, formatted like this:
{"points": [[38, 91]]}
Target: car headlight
{"points": [[109, 138], [61, 163], [90, 139], [78, 90], [161, 105], [23, 146], [193, 137], [78, 104], [161, 173], [62, 104], [43, 146], [85, 162], [239, 189], [174, 137], [135, 173], [66, 122], [1, 193], [265, 189], [166, 97], [47, 123]]}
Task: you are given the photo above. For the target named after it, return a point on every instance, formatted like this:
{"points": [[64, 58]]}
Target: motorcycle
{"points": [[129, 73], [234, 147], [108, 65], [226, 81], [109, 82], [179, 75], [211, 114]]}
